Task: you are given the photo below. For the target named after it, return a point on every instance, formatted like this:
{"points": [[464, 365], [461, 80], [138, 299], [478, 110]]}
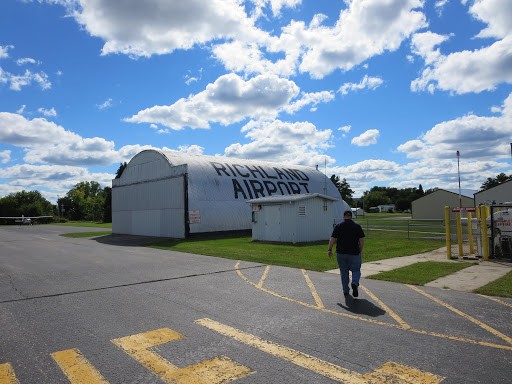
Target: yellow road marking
{"points": [[464, 315], [216, 370], [77, 368], [397, 318], [263, 277], [389, 372], [243, 277], [429, 333], [7, 375], [497, 300], [312, 288]]}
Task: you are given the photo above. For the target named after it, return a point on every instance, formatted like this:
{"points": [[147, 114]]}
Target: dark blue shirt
{"points": [[347, 235]]}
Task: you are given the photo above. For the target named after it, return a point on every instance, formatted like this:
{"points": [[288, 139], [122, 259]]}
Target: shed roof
{"points": [[276, 199]]}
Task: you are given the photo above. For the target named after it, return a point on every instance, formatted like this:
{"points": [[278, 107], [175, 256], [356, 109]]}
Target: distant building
{"points": [[499, 194], [357, 212], [384, 208], [431, 206], [293, 218]]}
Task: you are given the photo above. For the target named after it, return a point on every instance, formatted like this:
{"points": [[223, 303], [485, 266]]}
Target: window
{"points": [[302, 210]]}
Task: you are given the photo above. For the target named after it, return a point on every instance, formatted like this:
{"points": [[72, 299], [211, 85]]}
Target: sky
{"points": [[378, 92]]}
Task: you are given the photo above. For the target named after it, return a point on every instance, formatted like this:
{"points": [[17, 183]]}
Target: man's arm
{"points": [[332, 240], [361, 244]]}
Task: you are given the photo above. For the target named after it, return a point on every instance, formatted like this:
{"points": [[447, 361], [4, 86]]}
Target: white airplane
{"points": [[28, 220]]}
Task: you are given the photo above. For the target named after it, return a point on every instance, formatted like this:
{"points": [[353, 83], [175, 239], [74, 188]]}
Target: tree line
{"points": [[400, 198], [88, 201]]}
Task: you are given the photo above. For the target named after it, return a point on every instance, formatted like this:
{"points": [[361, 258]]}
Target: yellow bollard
{"points": [[483, 227], [459, 234], [470, 233], [448, 234]]}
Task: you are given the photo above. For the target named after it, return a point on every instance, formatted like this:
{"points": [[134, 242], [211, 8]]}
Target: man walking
{"points": [[349, 238]]}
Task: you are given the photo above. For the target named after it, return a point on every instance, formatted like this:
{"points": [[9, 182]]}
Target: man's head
{"points": [[347, 215]]}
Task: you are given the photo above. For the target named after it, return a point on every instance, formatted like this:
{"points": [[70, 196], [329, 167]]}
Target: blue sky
{"points": [[380, 92]]}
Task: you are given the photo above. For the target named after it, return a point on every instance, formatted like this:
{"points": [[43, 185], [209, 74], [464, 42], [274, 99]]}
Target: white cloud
{"points": [[26, 60], [48, 143], [191, 149], [105, 105], [228, 100], [152, 27], [298, 143], [468, 71], [365, 83], [344, 130], [17, 82], [366, 138], [5, 156], [366, 29], [476, 137], [4, 51], [314, 99], [47, 112]]}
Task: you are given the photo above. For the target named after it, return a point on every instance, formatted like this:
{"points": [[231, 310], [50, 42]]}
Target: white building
{"points": [[172, 194], [293, 218]]}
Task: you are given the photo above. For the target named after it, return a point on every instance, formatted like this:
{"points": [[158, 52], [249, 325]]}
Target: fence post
{"points": [[483, 227], [448, 234], [470, 233]]}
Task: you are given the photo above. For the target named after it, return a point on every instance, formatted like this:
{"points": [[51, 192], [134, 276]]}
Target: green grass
{"points": [[77, 235], [84, 224], [501, 287], [306, 256], [421, 273]]}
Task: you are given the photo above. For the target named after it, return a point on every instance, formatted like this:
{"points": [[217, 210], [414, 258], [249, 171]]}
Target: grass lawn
{"points": [[84, 224], [501, 287], [421, 273], [378, 246]]}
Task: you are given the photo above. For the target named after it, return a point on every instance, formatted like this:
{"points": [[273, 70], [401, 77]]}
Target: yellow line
{"points": [[389, 372], [7, 375], [242, 276], [390, 325], [397, 318], [497, 300], [464, 315], [77, 368], [312, 288], [263, 277], [217, 370]]}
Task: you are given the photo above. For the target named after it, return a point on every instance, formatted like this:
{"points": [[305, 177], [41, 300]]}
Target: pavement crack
{"points": [[25, 298]]}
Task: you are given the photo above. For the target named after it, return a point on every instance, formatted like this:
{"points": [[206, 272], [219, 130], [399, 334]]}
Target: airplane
{"points": [[27, 220]]}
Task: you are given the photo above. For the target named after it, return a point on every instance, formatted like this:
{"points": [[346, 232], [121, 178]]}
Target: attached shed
{"points": [[499, 194], [431, 206], [178, 195], [292, 218]]}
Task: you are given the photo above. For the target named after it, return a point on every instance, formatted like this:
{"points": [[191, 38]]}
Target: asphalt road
{"points": [[109, 310]]}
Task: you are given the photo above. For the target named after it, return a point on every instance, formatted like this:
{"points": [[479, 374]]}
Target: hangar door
{"points": [[150, 208]]}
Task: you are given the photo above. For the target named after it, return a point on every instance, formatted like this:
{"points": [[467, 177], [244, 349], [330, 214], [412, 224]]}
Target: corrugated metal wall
{"points": [[217, 189]]}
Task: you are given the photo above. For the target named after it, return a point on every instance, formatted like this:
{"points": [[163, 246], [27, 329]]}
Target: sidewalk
{"points": [[467, 279]]}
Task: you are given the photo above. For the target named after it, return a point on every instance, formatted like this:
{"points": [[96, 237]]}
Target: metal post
{"points": [[459, 234], [448, 234], [458, 172], [470, 233]]}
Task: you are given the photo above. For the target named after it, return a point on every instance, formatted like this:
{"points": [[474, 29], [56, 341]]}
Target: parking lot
{"points": [[97, 311]]}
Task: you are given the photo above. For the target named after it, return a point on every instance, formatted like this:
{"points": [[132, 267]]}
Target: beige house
{"points": [[431, 206], [499, 194]]}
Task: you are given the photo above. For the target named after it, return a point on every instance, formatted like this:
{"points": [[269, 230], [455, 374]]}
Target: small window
{"points": [[302, 210]]}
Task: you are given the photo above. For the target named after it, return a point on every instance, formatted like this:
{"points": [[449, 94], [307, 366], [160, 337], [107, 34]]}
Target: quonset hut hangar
{"points": [[178, 195]]}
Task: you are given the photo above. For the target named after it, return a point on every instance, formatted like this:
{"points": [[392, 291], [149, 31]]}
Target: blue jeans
{"points": [[349, 263]]}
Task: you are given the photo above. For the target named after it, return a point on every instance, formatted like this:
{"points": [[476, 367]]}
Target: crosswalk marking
{"points": [[312, 288], [213, 371], [77, 368]]}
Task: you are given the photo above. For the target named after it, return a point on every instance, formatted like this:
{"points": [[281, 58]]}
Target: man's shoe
{"points": [[355, 291], [346, 293]]}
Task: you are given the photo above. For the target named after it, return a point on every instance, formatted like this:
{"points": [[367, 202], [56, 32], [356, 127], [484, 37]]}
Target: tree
{"points": [[30, 203], [375, 197], [85, 201], [493, 182], [121, 169], [344, 189], [107, 205]]}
